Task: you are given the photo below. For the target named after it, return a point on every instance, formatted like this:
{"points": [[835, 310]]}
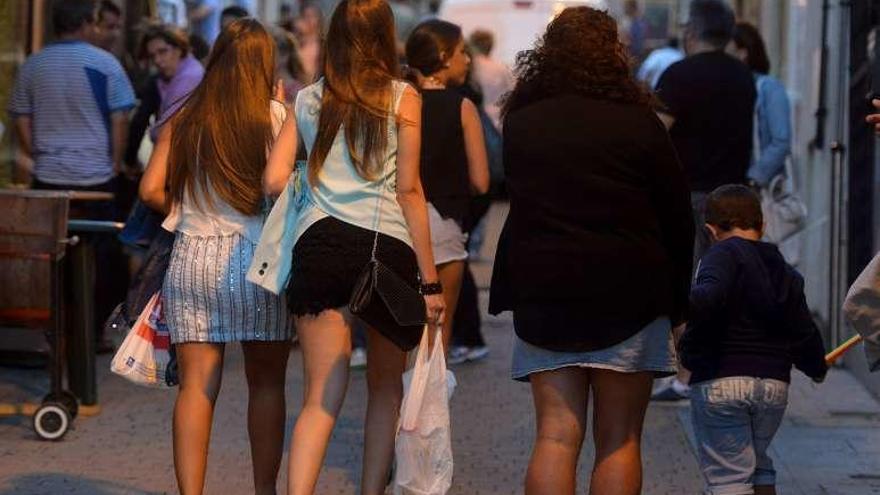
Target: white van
{"points": [[516, 24]]}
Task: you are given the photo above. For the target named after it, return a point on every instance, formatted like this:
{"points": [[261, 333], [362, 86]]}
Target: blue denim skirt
{"points": [[651, 349]]}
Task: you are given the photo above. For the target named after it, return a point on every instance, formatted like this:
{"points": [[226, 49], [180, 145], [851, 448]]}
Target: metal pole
{"points": [[837, 248], [822, 110], [840, 183], [81, 333]]}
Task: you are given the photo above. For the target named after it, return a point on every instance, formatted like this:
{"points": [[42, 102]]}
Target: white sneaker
{"points": [[670, 390], [358, 358], [458, 354], [477, 353]]}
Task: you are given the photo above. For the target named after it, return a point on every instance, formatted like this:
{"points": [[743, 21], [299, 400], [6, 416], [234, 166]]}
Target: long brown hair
{"points": [[581, 54], [222, 132], [359, 65]]}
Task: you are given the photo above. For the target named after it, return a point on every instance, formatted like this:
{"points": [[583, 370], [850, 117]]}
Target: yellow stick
{"points": [[841, 349], [29, 409]]}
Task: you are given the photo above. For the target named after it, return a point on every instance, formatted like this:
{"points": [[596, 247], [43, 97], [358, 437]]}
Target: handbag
{"points": [[387, 303], [384, 300], [784, 212]]}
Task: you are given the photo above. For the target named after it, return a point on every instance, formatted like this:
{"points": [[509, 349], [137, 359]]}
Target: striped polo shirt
{"points": [[70, 89]]}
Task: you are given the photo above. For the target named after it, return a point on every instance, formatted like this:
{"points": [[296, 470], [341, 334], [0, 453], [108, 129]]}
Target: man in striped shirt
{"points": [[70, 106]]}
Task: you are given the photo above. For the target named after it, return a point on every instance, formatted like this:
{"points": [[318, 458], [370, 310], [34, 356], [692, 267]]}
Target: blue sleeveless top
{"points": [[340, 191]]}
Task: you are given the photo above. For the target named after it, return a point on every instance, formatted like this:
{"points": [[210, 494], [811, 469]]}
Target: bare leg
{"points": [[265, 366], [326, 345], [619, 401], [561, 411], [451, 275], [201, 370], [385, 365]]}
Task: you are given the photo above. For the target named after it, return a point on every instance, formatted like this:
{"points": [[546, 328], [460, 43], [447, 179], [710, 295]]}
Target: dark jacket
{"points": [[600, 216], [749, 316]]}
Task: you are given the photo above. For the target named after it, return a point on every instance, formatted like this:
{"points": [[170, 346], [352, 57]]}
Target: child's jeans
{"points": [[734, 420]]}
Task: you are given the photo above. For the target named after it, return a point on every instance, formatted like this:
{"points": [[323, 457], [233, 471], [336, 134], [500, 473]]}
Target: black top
{"points": [[712, 97], [444, 165], [599, 214], [749, 316], [148, 106]]}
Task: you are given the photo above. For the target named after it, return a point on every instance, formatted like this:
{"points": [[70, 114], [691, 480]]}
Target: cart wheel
{"points": [[67, 399], [51, 421]]}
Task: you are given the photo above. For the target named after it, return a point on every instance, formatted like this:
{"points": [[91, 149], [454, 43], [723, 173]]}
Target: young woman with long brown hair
{"points": [[595, 256], [361, 128], [206, 171], [454, 165]]}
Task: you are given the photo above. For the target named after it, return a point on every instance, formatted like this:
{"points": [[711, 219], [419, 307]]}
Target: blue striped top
{"points": [[69, 89]]}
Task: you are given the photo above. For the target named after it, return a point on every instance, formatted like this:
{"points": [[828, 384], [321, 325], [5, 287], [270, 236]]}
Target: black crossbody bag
{"points": [[384, 300]]}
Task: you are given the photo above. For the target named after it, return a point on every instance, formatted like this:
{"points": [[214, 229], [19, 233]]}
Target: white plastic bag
{"points": [[423, 448], [144, 355]]}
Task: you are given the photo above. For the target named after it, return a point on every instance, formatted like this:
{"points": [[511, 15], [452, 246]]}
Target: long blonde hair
{"points": [[222, 132], [359, 65]]}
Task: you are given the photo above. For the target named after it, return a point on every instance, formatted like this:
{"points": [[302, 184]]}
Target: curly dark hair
{"points": [[580, 53]]}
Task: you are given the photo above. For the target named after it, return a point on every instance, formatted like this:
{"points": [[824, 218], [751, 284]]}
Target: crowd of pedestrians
{"points": [[290, 163]]}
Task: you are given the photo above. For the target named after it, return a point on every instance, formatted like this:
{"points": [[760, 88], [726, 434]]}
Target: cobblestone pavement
{"points": [[830, 443]]}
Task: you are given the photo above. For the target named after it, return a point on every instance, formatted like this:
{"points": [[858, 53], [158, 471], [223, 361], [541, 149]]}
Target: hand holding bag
{"points": [[423, 448]]}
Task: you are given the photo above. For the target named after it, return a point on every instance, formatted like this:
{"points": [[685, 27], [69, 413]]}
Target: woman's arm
{"points": [[777, 114], [282, 158], [475, 147], [152, 190], [411, 196]]}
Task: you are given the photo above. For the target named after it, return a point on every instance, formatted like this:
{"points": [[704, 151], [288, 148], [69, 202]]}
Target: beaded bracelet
{"points": [[431, 289]]}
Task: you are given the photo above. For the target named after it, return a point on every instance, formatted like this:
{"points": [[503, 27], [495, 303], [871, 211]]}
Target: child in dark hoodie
{"points": [[749, 324]]}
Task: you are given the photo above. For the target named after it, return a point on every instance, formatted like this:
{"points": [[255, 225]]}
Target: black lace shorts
{"points": [[329, 258]]}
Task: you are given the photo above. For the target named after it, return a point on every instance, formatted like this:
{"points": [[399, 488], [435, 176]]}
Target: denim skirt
{"points": [[651, 349]]}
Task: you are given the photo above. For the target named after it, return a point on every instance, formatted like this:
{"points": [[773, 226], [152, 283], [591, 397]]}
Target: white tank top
{"points": [[222, 219]]}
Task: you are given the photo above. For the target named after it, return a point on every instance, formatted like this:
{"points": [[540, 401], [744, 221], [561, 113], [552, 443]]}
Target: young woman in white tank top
{"points": [[206, 172]]}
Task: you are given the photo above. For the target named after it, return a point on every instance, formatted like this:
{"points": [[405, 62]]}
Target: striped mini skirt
{"points": [[205, 297]]}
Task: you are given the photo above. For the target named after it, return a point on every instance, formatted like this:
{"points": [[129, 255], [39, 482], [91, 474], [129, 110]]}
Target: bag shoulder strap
{"points": [[384, 182]]}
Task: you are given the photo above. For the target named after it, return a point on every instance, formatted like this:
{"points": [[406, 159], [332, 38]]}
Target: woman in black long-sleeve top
{"points": [[595, 256]]}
